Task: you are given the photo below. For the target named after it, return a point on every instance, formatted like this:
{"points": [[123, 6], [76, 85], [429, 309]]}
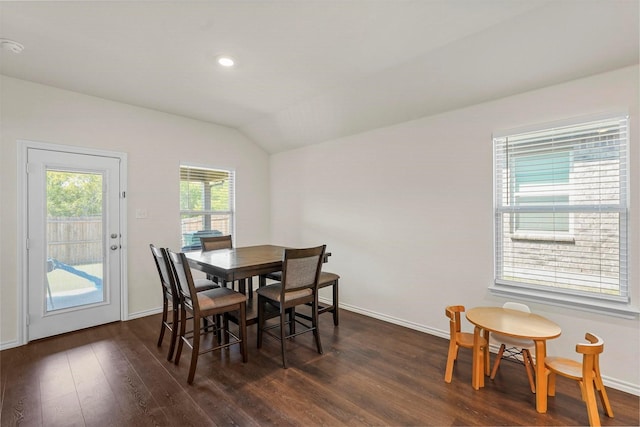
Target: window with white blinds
{"points": [[561, 210], [206, 204]]}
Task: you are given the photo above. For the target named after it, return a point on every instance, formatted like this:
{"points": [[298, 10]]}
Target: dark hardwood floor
{"points": [[371, 373]]}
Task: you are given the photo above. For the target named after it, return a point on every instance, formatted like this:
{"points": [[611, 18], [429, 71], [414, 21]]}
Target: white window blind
{"points": [[561, 209], [206, 204]]}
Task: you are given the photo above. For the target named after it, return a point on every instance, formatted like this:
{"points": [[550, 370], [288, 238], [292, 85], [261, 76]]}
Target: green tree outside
{"points": [[74, 194]]}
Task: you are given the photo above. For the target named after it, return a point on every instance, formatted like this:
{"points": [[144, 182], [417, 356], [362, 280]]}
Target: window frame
{"points": [[618, 305]]}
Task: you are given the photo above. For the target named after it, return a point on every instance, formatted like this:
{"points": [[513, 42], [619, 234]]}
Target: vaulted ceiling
{"points": [[311, 71]]}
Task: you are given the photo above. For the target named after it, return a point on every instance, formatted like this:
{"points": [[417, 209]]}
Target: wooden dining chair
{"points": [[300, 274], [586, 374], [171, 297], [326, 279], [213, 243], [512, 348], [458, 339], [200, 305]]}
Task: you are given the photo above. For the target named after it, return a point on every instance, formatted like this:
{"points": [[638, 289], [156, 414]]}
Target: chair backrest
{"points": [[517, 306], [590, 354], [453, 313], [301, 268], [184, 280], [213, 243], [164, 271]]}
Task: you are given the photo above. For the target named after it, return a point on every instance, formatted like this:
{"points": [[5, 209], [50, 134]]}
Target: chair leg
{"points": [[195, 350], [292, 320], [261, 303], [283, 337], [225, 327], [528, 364], [165, 309], [496, 364], [589, 396], [315, 324], [336, 319], [243, 332], [451, 358], [603, 394], [218, 330], [183, 330], [175, 322]]}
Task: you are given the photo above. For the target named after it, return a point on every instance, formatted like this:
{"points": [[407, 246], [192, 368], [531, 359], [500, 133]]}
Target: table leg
{"points": [[541, 377], [477, 377], [486, 359]]}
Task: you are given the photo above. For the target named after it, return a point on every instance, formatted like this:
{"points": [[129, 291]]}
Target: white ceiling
{"points": [[310, 71]]}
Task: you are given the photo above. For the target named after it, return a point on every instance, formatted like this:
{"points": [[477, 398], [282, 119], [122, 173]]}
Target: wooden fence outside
{"points": [[75, 241]]}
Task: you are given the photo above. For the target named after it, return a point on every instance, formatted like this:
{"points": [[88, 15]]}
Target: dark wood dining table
{"points": [[241, 264], [517, 324]]}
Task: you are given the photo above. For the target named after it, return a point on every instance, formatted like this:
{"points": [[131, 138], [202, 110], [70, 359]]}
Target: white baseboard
{"points": [[144, 313], [9, 344], [625, 386], [396, 321]]}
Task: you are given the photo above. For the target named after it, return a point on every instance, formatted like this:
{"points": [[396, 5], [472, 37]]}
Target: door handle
{"points": [[114, 247]]}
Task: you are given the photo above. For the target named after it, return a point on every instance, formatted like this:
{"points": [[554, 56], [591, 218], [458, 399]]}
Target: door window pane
{"points": [[75, 249]]}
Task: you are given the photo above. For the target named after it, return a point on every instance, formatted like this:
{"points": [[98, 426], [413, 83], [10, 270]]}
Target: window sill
{"points": [[599, 306], [543, 237]]}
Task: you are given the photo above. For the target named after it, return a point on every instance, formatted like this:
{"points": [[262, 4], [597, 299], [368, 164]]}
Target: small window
{"points": [[206, 204], [561, 210]]}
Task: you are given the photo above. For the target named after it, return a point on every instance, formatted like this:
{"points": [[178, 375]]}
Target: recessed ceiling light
{"points": [[226, 61], [11, 46]]}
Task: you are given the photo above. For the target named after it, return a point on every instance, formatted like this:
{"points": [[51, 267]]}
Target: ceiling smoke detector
{"points": [[11, 46]]}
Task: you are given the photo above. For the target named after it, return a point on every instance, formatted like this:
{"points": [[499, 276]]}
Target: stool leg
{"points": [[496, 365]]}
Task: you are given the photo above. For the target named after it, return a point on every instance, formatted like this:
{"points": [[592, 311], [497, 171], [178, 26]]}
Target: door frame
{"points": [[22, 206]]}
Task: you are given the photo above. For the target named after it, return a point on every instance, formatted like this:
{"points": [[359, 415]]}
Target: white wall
{"points": [[407, 213], [156, 143]]}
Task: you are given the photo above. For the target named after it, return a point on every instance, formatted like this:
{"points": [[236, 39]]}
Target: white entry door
{"points": [[74, 240]]}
